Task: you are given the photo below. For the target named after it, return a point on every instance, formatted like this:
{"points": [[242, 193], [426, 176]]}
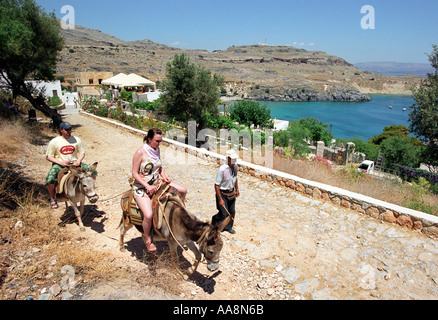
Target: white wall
{"points": [[50, 88]]}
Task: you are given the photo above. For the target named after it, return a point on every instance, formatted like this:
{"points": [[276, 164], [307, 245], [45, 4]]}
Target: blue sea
{"points": [[349, 119]]}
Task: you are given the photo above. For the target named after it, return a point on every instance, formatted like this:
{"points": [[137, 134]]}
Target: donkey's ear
{"points": [[93, 167], [211, 234], [76, 171]]}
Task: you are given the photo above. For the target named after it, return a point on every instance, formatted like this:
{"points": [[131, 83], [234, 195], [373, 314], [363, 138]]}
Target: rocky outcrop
{"points": [[354, 96]]}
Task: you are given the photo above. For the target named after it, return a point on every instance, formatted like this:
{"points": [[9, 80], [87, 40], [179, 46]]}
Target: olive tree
{"points": [[29, 46], [423, 117], [190, 90]]}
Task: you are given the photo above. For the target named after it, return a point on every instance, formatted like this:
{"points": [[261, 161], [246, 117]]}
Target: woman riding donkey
{"points": [[147, 171]]}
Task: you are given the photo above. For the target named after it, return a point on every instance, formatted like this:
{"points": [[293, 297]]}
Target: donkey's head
{"points": [[213, 244], [86, 182]]}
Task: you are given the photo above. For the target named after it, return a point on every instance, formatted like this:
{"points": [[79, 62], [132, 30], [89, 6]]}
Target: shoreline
{"points": [[224, 100]]}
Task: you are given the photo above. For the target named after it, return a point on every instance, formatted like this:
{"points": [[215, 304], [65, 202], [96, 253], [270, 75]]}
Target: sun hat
{"points": [[65, 125], [231, 154]]}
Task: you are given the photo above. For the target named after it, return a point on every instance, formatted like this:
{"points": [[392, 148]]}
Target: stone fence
{"points": [[384, 211], [339, 155]]}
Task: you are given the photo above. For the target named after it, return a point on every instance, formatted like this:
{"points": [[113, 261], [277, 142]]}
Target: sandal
{"points": [[53, 205], [151, 247]]}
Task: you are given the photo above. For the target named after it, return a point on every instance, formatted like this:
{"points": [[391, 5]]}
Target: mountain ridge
{"points": [[263, 72]]}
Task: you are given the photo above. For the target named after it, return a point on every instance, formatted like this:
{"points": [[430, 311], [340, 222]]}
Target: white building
{"points": [[48, 88], [280, 124]]}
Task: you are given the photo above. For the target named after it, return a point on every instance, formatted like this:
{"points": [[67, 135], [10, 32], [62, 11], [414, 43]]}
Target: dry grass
{"points": [[33, 244], [386, 190], [34, 248], [13, 140]]}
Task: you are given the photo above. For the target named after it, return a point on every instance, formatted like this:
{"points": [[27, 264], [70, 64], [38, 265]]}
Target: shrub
{"points": [[414, 175], [251, 113], [53, 101]]}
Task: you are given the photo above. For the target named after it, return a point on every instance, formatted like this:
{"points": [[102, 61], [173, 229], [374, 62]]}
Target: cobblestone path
{"points": [[287, 245]]}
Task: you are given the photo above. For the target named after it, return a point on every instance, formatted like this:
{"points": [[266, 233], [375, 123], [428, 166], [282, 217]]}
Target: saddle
{"points": [[62, 177], [159, 200]]}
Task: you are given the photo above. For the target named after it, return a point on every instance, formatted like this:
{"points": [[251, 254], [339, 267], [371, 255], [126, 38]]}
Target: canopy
{"points": [[115, 80], [140, 80], [122, 80]]}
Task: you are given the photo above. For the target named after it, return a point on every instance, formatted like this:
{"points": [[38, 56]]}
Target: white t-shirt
{"points": [[226, 178], [63, 149]]}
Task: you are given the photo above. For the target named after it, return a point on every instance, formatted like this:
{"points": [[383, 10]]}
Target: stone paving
{"points": [[290, 246], [307, 248]]}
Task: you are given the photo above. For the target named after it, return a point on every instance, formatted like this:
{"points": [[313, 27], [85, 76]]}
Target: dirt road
{"points": [[287, 246]]}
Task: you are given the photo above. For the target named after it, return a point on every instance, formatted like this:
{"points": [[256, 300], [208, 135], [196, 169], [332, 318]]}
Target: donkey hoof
{"points": [[82, 229], [122, 249]]}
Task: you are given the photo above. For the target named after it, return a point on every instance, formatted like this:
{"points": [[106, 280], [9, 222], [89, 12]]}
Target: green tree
{"points": [[371, 150], [297, 134], [393, 130], [423, 117], [191, 91], [251, 113], [29, 46], [318, 130], [294, 137], [400, 150]]}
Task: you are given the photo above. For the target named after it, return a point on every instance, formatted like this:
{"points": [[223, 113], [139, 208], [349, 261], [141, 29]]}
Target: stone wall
{"points": [[384, 211]]}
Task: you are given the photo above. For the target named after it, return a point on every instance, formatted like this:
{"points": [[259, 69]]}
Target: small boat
{"points": [[404, 109]]}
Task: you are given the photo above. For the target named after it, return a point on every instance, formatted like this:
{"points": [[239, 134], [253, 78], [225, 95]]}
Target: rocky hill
{"points": [[253, 71]]}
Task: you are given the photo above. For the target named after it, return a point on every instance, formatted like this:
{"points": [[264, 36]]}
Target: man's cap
{"points": [[65, 125], [232, 154]]}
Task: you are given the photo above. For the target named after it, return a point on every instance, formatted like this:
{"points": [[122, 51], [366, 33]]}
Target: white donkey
{"points": [[75, 187]]}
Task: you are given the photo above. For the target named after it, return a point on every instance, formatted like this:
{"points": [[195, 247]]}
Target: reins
{"points": [[201, 240]]}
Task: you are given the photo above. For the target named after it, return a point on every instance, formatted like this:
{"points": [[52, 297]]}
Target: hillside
{"points": [[255, 71]]}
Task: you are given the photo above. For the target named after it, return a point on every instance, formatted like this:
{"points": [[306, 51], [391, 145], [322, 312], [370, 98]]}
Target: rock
{"points": [[291, 274], [18, 225], [306, 285], [388, 216], [316, 194], [431, 231], [405, 221], [368, 280], [372, 212]]}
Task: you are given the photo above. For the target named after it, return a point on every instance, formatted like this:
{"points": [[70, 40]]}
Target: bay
{"points": [[349, 119]]}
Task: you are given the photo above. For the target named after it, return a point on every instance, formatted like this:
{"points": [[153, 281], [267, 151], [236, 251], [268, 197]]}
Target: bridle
{"points": [[81, 187]]}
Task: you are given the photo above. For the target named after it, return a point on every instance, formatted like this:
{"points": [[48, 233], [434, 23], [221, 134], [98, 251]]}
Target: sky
{"points": [[355, 30]]}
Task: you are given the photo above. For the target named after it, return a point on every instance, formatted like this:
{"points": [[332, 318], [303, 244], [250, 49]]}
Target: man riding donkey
{"points": [[64, 151]]}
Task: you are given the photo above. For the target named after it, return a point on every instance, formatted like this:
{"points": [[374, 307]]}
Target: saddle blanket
{"points": [[62, 178], [159, 201]]}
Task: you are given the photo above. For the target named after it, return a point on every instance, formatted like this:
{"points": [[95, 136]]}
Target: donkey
{"points": [[181, 228], [76, 187]]}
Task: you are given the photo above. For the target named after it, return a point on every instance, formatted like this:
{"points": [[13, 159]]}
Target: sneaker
{"points": [[232, 231]]}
